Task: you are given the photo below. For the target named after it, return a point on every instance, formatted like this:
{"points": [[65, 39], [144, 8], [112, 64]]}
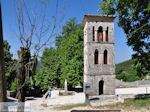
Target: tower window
{"points": [[101, 86], [107, 35], [93, 34], [105, 57], [100, 34], [96, 57]]}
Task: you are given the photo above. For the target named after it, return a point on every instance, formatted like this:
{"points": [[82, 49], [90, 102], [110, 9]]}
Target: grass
{"points": [[68, 107], [44, 105], [129, 104], [132, 104]]}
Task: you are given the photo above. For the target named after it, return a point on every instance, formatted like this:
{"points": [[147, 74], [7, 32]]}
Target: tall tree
{"points": [[64, 61], [34, 32], [49, 72], [70, 49], [134, 18], [10, 65]]}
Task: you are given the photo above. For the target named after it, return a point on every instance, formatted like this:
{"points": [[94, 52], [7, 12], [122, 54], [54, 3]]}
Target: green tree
{"points": [[70, 49], [10, 69], [48, 74], [126, 71], [134, 18], [64, 61]]}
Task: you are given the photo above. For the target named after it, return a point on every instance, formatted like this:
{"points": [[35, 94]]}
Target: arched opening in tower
{"points": [[96, 57], [107, 35], [100, 34], [93, 34], [101, 87], [105, 57]]}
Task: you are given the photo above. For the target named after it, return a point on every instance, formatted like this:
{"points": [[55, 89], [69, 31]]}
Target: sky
{"points": [[63, 10]]}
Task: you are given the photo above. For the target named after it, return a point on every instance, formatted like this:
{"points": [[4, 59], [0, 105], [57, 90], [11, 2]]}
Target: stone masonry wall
{"points": [[93, 73]]}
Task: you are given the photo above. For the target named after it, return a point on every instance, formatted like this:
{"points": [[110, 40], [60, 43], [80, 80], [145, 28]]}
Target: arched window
{"points": [[96, 57], [105, 57], [107, 35], [100, 34], [93, 34], [101, 86]]}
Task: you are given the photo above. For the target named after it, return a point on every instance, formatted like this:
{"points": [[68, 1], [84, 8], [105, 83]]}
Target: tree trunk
{"points": [[2, 72], [2, 75], [24, 56]]}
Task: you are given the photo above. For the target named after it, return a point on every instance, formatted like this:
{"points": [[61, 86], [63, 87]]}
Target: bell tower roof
{"points": [[98, 18]]}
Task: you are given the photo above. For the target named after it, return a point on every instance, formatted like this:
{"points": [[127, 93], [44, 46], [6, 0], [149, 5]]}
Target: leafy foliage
{"points": [[65, 61], [134, 18], [126, 71], [48, 74], [9, 65], [71, 53], [13, 85]]}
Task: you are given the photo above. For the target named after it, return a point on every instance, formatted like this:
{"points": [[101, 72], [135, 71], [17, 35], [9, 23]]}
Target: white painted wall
{"points": [[134, 91], [66, 100]]}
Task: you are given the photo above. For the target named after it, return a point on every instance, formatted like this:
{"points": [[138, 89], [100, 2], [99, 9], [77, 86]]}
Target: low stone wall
{"points": [[133, 90], [138, 83], [67, 100]]}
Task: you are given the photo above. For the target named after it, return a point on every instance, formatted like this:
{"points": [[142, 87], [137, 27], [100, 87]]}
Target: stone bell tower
{"points": [[99, 66]]}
